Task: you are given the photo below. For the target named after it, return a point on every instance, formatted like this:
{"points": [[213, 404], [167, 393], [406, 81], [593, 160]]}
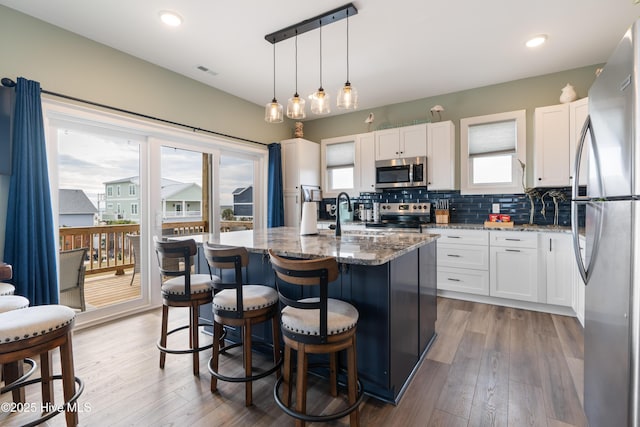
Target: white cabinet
{"points": [[513, 266], [557, 267], [365, 162], [300, 166], [578, 112], [557, 133], [463, 261], [408, 141], [441, 156], [552, 146]]}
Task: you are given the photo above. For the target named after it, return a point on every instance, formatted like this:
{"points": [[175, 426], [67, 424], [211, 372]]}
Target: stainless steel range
{"points": [[406, 217]]}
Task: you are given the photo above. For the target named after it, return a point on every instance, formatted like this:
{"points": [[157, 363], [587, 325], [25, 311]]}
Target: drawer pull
{"points": [[512, 250], [453, 237], [453, 280], [453, 256], [512, 240]]}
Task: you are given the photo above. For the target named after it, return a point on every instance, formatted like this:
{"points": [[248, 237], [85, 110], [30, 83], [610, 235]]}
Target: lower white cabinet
{"points": [[513, 266], [463, 261], [558, 267]]}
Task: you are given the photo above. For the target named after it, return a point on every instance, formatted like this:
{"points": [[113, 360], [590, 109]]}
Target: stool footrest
{"points": [[316, 418], [243, 379], [22, 379], [23, 383], [187, 351]]}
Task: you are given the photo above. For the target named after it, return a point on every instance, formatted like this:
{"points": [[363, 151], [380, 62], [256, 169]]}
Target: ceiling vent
{"points": [[206, 70]]}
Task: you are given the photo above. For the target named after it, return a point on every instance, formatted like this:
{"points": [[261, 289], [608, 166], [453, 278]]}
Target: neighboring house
{"points": [[75, 209], [179, 199], [243, 201]]}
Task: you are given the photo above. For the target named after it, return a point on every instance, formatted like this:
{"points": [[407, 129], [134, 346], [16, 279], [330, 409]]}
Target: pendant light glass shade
{"points": [[273, 110], [320, 103], [348, 95], [296, 105]]}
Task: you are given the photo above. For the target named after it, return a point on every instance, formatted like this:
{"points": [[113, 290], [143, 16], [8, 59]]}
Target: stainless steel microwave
{"points": [[399, 173]]}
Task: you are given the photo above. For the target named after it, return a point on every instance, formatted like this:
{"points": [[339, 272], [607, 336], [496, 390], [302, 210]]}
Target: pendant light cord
{"points": [[274, 72], [296, 63], [321, 54], [347, 45]]}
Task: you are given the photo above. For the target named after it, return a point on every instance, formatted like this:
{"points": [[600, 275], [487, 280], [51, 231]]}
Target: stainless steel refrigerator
{"points": [[611, 265]]}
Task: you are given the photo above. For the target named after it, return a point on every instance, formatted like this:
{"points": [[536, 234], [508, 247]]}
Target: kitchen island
{"points": [[389, 277]]}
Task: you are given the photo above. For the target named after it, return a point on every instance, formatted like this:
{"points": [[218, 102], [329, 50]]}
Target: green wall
{"points": [[69, 64]]}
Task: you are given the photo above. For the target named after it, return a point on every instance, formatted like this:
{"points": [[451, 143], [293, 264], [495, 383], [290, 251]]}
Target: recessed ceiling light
{"points": [[172, 19], [537, 40]]}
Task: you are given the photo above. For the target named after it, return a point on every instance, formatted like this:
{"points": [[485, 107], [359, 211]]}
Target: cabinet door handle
{"points": [[453, 280], [550, 245], [453, 256], [512, 250], [512, 240]]}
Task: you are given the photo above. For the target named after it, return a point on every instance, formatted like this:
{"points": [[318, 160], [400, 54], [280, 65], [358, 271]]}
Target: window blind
{"points": [[340, 155], [492, 138]]}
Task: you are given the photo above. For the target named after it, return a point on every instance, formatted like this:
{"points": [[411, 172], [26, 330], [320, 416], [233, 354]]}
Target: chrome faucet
{"points": [[338, 230]]}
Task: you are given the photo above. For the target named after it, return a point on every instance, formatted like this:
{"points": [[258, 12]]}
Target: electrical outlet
{"points": [[495, 208], [328, 207]]}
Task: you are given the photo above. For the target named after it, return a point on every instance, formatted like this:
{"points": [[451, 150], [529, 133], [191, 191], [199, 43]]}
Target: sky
{"points": [[86, 161]]}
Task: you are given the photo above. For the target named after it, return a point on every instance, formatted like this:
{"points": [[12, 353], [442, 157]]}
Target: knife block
{"points": [[442, 216]]}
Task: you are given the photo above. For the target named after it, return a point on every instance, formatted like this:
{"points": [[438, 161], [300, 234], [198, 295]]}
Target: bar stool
{"points": [[35, 331], [235, 304], [182, 289], [14, 371], [315, 325], [6, 289]]}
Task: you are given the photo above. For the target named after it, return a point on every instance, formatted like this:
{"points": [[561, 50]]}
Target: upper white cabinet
{"points": [[441, 156], [557, 133], [301, 163], [365, 162], [552, 146], [578, 112], [408, 141], [300, 166]]}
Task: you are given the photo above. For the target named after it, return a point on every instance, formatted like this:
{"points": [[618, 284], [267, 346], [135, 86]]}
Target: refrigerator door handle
{"points": [[576, 200]]}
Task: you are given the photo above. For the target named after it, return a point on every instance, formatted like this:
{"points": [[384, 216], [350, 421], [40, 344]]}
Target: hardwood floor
{"points": [[490, 366]]}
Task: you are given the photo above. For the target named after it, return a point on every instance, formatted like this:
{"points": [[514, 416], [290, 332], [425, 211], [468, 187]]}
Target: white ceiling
{"points": [[399, 50]]}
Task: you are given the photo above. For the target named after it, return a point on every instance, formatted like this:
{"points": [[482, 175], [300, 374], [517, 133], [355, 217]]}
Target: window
{"points": [[118, 190], [132, 189], [110, 191], [490, 147], [134, 209], [339, 160]]}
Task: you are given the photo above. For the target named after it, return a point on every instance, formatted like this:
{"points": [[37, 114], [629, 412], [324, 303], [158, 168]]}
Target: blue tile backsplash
{"points": [[475, 208]]}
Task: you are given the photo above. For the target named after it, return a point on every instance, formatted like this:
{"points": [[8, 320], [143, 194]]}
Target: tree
{"points": [[227, 214]]}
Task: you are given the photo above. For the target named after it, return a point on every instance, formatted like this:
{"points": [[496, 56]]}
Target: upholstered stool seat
{"points": [[237, 304], [6, 289], [182, 288], [318, 325], [35, 331], [12, 302]]}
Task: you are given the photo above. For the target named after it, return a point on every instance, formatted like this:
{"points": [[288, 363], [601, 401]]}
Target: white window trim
{"points": [[513, 187], [326, 192]]}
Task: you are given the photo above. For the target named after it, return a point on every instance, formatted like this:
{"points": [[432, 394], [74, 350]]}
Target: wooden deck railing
{"points": [[109, 248]]}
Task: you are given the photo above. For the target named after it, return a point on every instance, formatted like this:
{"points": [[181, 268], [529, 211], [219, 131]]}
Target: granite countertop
{"points": [[464, 226], [353, 247]]}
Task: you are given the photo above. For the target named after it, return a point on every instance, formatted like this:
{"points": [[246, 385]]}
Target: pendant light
{"points": [[320, 99], [348, 95], [295, 105], [273, 110]]}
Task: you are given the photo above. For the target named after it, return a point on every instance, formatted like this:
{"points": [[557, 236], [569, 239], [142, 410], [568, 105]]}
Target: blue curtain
{"points": [[29, 237], [275, 210]]}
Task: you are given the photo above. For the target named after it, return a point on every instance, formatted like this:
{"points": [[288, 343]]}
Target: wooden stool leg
{"points": [[68, 379], [286, 381], [301, 384], [193, 326], [352, 375], [217, 333], [333, 373], [163, 334], [275, 329], [11, 372], [45, 374], [248, 386]]}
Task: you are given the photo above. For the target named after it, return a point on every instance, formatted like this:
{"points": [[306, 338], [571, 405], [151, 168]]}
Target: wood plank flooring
{"points": [[490, 366]]}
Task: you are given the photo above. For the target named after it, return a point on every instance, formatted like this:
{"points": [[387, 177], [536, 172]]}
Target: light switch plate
{"points": [[495, 208]]}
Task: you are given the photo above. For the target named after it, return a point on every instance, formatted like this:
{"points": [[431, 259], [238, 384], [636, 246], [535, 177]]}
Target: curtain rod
{"points": [[7, 82]]}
